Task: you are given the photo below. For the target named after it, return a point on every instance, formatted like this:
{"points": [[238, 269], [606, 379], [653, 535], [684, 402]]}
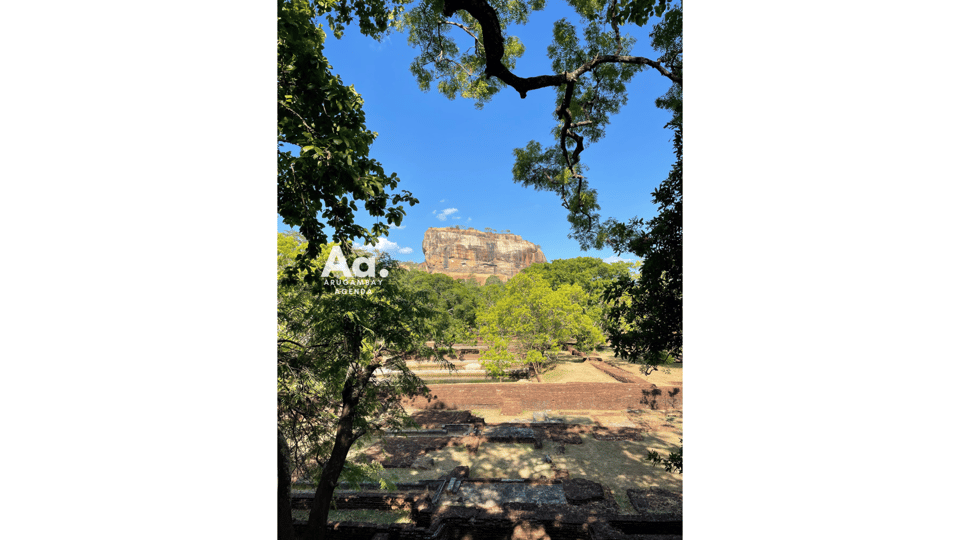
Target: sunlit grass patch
{"points": [[576, 372]]}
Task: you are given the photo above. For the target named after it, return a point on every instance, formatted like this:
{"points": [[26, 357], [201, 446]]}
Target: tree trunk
{"points": [[284, 511], [536, 372], [319, 513], [350, 398]]}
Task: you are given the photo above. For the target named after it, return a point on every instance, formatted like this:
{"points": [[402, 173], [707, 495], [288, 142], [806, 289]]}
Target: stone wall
{"points": [[515, 521]]}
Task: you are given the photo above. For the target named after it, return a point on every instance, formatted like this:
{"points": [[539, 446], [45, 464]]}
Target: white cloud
{"points": [[442, 216], [456, 217], [469, 218], [399, 227], [375, 46], [614, 258], [387, 246], [443, 200]]}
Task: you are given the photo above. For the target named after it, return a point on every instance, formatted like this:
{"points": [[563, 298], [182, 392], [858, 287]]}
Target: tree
{"points": [[459, 299], [590, 273], [539, 319], [497, 359], [593, 276], [341, 369], [591, 67], [324, 171], [647, 314], [323, 145]]}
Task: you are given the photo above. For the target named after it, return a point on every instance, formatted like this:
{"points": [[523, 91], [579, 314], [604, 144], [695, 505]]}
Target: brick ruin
{"points": [[576, 510], [558, 508], [512, 398], [541, 508]]}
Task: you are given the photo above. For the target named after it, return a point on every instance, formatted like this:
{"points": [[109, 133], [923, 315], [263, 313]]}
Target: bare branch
{"points": [[291, 342], [304, 347], [463, 69], [614, 25], [302, 121], [476, 41]]}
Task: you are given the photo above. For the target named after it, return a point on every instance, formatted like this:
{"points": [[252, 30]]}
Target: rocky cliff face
{"points": [[459, 253]]}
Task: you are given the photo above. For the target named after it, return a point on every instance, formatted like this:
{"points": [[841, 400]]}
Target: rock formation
{"points": [[459, 253]]}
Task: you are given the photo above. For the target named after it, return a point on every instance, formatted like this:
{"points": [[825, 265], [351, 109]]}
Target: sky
{"points": [[457, 160]]}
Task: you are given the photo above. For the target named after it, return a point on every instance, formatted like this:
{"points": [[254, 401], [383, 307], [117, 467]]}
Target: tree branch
{"points": [[489, 21], [618, 59]]}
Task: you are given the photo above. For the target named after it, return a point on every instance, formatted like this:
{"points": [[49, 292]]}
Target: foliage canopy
{"points": [[341, 372], [324, 168]]}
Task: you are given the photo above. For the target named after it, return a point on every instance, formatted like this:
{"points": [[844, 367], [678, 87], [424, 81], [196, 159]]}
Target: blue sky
{"points": [[457, 160]]}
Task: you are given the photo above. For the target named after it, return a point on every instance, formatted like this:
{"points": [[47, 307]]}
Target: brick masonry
{"points": [[512, 398]]}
